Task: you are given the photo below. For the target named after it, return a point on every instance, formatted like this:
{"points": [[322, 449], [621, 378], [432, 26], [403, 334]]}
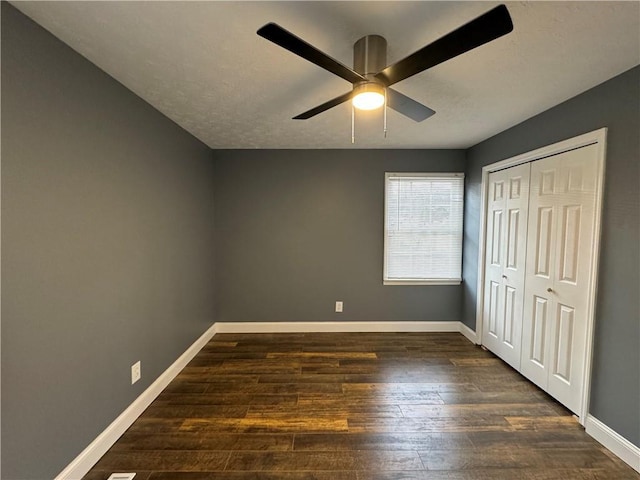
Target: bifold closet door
{"points": [[505, 262], [559, 262]]}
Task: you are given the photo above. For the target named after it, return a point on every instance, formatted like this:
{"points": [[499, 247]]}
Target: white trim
{"points": [[81, 465], [423, 282], [595, 137], [304, 327], [484, 194], [593, 283], [470, 334], [423, 174], [620, 446]]}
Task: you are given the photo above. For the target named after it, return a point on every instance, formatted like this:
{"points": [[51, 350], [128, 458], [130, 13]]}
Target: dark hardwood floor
{"points": [[356, 406]]}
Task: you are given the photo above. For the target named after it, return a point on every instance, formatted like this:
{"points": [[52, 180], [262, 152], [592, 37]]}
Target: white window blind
{"points": [[423, 228]]}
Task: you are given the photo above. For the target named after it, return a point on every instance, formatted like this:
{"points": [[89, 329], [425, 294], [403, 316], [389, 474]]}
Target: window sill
{"points": [[423, 282]]}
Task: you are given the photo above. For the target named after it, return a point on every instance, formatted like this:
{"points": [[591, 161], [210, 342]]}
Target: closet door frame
{"points": [[596, 137]]}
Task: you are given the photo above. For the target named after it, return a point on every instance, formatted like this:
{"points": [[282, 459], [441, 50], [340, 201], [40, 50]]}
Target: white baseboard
{"points": [[81, 465], [615, 442], [340, 327], [470, 334]]}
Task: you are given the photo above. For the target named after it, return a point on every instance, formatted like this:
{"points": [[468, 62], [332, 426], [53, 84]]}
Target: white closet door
{"points": [[560, 243], [505, 262]]}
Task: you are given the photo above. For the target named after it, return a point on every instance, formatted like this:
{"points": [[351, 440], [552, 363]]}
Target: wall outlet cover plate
{"points": [[136, 373]]}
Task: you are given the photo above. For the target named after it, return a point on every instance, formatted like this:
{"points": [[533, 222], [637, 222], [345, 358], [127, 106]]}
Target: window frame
{"points": [[419, 281]]}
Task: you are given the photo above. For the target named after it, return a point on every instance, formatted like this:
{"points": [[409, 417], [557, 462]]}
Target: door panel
{"points": [[539, 265], [547, 182], [570, 243], [564, 342], [512, 239], [540, 310], [510, 314], [493, 303], [496, 244], [494, 308], [543, 242], [572, 273], [505, 262], [563, 194]]}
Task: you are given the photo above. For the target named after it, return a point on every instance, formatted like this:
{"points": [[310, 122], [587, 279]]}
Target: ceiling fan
{"points": [[372, 78]]}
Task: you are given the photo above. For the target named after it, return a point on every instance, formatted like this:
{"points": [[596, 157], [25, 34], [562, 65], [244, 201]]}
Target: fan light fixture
{"points": [[371, 76], [368, 96]]}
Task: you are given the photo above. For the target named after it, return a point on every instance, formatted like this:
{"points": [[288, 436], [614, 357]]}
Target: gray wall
{"points": [[297, 230], [107, 243], [615, 395], [107, 258]]}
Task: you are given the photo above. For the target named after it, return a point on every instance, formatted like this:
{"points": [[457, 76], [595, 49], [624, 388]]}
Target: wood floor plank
{"points": [[407, 425], [581, 474], [208, 358], [183, 386], [306, 378], [265, 425], [274, 388], [321, 410], [490, 397], [199, 375], [133, 440], [476, 362], [406, 388], [179, 461], [323, 355], [310, 461], [518, 411], [515, 385], [355, 406], [469, 459], [333, 400], [561, 438], [545, 423], [403, 476], [318, 475], [196, 411], [395, 362], [225, 399], [152, 426], [482, 458], [383, 442], [565, 457]]}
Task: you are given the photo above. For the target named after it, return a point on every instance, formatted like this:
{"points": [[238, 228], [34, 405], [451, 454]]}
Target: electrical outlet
{"points": [[339, 307], [136, 372]]}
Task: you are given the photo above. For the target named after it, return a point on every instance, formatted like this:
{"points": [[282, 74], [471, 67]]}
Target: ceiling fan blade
{"points": [[278, 35], [324, 107], [493, 24], [407, 106]]}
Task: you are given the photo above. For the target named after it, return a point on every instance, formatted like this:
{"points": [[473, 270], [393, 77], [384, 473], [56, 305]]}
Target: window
{"points": [[423, 228]]}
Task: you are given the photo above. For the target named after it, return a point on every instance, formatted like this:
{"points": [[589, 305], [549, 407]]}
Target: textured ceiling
{"points": [[203, 66]]}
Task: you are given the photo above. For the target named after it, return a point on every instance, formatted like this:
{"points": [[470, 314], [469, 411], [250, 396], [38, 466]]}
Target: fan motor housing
{"points": [[370, 55]]}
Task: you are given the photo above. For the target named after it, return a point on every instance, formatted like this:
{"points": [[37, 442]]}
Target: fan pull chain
{"points": [[353, 124], [385, 114]]}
